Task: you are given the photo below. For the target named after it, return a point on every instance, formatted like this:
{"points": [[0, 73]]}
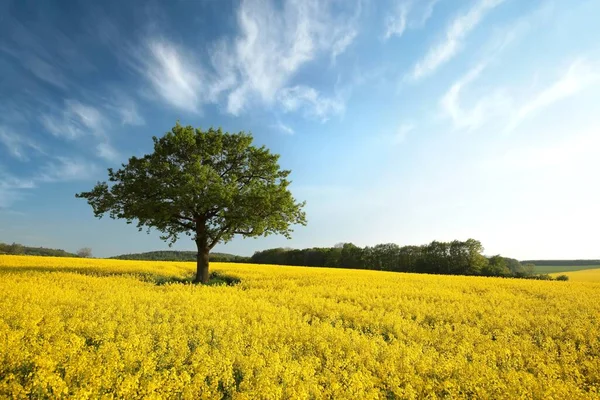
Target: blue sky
{"points": [[403, 121]]}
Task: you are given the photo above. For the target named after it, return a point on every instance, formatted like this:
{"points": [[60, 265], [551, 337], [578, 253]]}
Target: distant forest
{"points": [[449, 258], [174, 255], [19, 249]]}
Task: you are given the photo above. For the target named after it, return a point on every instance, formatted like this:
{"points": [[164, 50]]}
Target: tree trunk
{"points": [[202, 263]]}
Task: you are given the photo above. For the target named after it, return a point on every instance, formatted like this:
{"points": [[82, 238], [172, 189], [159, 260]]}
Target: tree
{"points": [[16, 249], [85, 252], [497, 266], [351, 256], [209, 185]]}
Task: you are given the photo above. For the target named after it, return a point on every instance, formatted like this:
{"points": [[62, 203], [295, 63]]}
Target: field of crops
{"points": [[586, 275], [553, 269], [77, 328]]}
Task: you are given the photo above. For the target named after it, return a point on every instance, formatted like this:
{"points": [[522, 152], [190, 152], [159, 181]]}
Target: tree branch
{"points": [[184, 224], [179, 216]]}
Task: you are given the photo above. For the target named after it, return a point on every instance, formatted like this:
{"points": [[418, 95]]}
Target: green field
{"points": [[551, 269]]}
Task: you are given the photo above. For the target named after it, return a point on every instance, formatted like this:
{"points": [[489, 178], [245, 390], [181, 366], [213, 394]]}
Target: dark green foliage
{"points": [[450, 258], [174, 255], [437, 257], [562, 278], [210, 185], [497, 266], [539, 277], [19, 249]]}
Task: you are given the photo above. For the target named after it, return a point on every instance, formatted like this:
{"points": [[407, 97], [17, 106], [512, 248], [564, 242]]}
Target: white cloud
{"points": [[45, 71], [107, 152], [280, 126], [172, 75], [427, 12], [59, 169], [130, 115], [579, 76], [60, 127], [274, 42], [339, 46], [89, 116], [33, 57], [126, 108], [75, 120], [395, 23], [408, 14], [499, 103], [493, 103], [308, 99], [11, 187], [17, 144], [457, 31], [67, 169], [78, 121]]}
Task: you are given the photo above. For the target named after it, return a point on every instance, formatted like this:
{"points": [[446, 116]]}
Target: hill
{"points": [[19, 249], [176, 255], [562, 263]]}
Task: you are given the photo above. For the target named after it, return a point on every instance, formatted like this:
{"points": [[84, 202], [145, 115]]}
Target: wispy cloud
{"points": [[11, 188], [126, 108], [493, 103], [45, 71], [452, 43], [280, 126], [340, 45], [18, 145], [106, 151], [427, 12], [580, 75], [310, 101], [74, 121], [499, 102], [56, 169], [395, 22], [27, 43], [172, 74], [62, 169], [407, 14], [77, 121], [273, 42]]}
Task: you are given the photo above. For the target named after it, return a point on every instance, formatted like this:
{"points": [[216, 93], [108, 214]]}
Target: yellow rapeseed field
{"points": [[584, 275], [77, 328]]}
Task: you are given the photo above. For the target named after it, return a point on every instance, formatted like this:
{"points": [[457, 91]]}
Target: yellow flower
{"points": [[91, 328]]}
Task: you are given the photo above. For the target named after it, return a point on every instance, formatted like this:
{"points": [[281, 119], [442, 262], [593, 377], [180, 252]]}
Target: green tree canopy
{"points": [[210, 185]]}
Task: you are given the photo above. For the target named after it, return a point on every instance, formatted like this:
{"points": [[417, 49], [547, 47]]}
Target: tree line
{"points": [[19, 249], [449, 258], [177, 255]]}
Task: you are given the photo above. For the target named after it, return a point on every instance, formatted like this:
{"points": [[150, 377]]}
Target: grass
{"points": [[552, 269]]}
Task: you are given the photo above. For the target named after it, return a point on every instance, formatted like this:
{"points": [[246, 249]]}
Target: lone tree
{"points": [[84, 252], [209, 185]]}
